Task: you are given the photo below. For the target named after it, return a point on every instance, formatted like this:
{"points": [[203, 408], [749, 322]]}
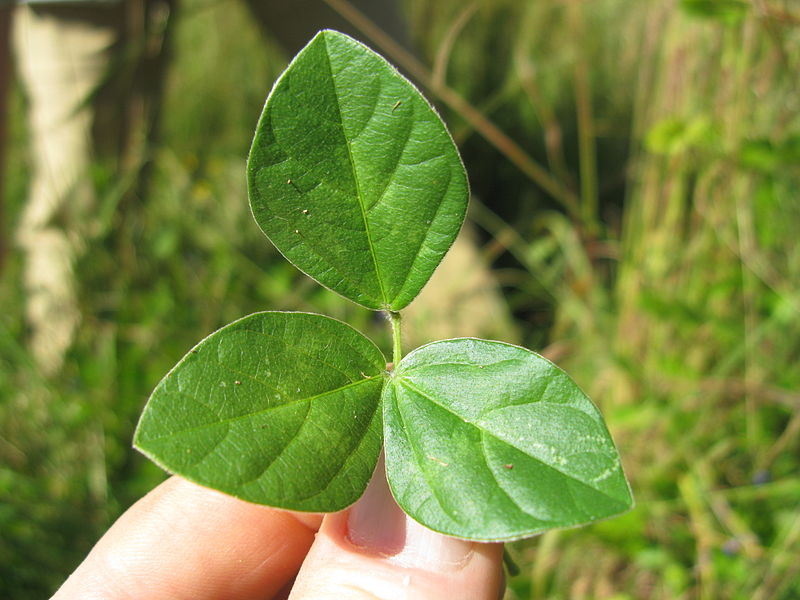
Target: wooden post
{"points": [[5, 79]]}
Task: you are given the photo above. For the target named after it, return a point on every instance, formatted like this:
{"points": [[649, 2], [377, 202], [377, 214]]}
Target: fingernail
{"points": [[378, 526]]}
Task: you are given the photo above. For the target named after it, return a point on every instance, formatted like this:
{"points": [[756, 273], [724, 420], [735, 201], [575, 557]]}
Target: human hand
{"points": [[186, 541]]}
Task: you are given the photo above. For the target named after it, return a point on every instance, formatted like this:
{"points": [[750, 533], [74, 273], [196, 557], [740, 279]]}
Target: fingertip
{"points": [[373, 550], [186, 541]]}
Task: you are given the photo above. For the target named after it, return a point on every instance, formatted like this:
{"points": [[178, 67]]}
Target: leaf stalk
{"points": [[397, 347]]}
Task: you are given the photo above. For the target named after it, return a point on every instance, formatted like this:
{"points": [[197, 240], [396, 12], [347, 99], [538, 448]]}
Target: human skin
{"points": [[185, 541]]}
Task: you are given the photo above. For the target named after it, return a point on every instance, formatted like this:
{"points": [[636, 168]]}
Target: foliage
{"points": [[678, 315], [355, 179], [353, 176]]}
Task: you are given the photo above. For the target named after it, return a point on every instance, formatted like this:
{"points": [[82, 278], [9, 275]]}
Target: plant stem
{"points": [[587, 151], [397, 348], [510, 564]]}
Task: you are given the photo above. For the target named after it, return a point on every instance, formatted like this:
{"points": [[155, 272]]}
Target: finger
{"points": [[186, 541], [374, 551]]}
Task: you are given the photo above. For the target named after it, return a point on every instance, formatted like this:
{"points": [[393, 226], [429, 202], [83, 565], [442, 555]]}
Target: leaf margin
{"points": [[383, 375], [631, 505], [392, 305]]}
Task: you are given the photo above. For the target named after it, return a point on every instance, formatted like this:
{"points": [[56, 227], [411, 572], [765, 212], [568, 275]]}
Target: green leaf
{"points": [[768, 157], [673, 136], [729, 12], [490, 441], [275, 408], [353, 176]]}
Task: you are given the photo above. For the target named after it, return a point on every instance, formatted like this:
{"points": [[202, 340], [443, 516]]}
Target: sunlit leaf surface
{"points": [[353, 176], [276, 408], [490, 441]]}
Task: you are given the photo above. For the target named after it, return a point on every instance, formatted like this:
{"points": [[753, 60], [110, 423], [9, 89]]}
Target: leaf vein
{"points": [[359, 194], [416, 390], [350, 454], [254, 413], [485, 458], [394, 170], [421, 461], [424, 239], [299, 351], [421, 366], [293, 437]]}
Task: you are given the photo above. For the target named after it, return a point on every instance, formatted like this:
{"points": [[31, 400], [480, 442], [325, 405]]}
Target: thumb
{"points": [[374, 551]]}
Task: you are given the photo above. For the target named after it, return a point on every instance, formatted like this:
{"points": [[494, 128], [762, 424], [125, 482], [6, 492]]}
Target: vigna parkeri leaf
{"points": [[355, 179], [353, 176]]}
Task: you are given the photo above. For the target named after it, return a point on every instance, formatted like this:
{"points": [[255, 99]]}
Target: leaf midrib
{"points": [[425, 475], [256, 413], [349, 457], [359, 196], [333, 476], [410, 386]]}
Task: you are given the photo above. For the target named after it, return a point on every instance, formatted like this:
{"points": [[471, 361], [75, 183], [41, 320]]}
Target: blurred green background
{"points": [[636, 177]]}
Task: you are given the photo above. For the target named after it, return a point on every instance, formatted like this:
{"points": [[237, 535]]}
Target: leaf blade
{"points": [[489, 441], [275, 408], [353, 176]]}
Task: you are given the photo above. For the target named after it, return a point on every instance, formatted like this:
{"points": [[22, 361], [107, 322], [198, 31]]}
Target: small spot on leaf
{"points": [[436, 460]]}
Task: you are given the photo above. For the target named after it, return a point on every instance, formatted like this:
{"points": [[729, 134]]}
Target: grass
{"points": [[655, 260]]}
